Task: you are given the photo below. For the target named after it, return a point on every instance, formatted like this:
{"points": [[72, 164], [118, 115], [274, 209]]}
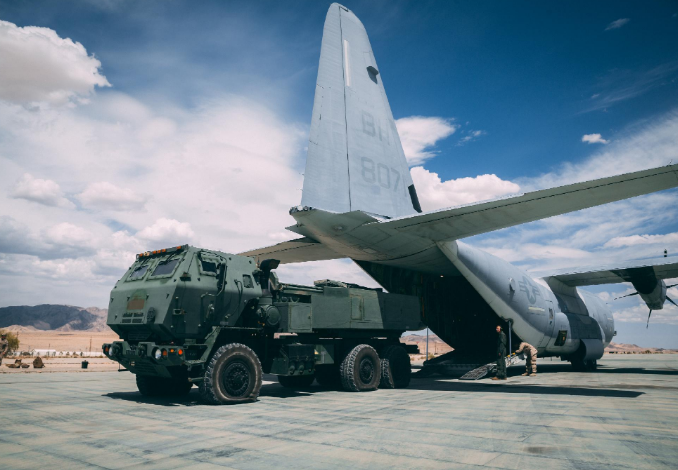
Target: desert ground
{"points": [[64, 340]]}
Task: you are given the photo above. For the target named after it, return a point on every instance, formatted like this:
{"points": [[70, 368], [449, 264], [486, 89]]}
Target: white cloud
{"points": [[107, 196], [594, 139], [616, 24], [170, 231], [45, 192], [669, 239], [68, 234], [646, 147], [436, 194], [40, 66], [418, 134], [470, 136]]}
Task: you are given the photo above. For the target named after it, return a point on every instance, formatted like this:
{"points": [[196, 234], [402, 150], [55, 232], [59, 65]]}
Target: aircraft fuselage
{"points": [[557, 320]]}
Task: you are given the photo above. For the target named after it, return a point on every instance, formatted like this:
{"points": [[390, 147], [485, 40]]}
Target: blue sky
{"points": [[504, 89]]}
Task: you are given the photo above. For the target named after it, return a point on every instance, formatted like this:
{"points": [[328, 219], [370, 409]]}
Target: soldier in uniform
{"points": [[4, 347], [530, 358], [501, 355]]}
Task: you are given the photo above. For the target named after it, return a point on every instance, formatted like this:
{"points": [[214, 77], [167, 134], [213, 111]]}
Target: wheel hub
{"points": [[236, 379], [366, 371]]}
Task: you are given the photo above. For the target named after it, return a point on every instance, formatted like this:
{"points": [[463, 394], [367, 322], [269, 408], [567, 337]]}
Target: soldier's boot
{"points": [[524, 374], [533, 375], [495, 378]]}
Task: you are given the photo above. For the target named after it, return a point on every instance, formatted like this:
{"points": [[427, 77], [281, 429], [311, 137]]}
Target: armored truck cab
{"points": [[188, 316]]}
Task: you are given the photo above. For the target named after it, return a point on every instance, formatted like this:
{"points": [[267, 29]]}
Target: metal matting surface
{"points": [[622, 417]]}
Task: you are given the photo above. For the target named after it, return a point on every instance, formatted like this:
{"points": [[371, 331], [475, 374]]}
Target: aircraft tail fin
{"points": [[355, 159]]}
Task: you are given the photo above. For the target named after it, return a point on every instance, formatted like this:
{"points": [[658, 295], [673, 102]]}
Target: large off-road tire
{"points": [[233, 375], [181, 388], [151, 386], [396, 368], [162, 387], [328, 376], [361, 369], [296, 381]]}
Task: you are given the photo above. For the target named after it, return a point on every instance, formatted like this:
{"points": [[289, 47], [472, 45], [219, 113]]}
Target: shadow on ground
{"points": [[274, 390], [437, 383], [548, 368], [434, 384]]}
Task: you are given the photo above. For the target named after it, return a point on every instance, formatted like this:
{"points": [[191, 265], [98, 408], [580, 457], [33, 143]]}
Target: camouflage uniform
{"points": [[530, 357], [501, 355], [4, 347]]}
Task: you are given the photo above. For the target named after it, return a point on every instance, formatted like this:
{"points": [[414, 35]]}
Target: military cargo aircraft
{"points": [[359, 202]]}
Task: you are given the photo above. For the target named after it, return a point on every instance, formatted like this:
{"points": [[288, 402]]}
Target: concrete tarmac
{"points": [[624, 416]]}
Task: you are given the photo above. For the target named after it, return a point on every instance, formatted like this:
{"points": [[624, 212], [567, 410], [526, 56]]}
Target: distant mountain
{"points": [[620, 348], [54, 317]]}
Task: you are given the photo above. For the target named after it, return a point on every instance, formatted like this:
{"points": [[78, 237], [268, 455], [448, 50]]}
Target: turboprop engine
{"points": [[652, 291]]}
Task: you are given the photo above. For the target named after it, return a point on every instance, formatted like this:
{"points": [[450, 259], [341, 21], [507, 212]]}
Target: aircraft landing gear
{"points": [[580, 365]]}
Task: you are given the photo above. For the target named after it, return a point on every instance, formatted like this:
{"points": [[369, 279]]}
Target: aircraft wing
{"points": [[662, 268], [473, 219], [295, 251]]}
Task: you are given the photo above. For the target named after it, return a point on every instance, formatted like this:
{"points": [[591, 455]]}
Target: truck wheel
{"points": [[395, 367], [361, 369], [296, 381], [162, 387], [151, 386], [233, 375], [328, 376], [181, 388]]}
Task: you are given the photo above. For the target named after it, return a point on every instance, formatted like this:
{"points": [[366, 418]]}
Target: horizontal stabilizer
{"points": [[295, 251], [623, 271], [474, 219]]}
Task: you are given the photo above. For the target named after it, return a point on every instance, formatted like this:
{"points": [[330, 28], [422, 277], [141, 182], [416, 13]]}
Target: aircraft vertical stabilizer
{"points": [[355, 159]]}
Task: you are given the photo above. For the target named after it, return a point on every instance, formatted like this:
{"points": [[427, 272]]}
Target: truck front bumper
{"points": [[147, 358]]}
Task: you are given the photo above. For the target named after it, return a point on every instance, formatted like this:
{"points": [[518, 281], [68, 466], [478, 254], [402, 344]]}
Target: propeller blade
{"points": [[648, 319], [627, 295], [669, 299]]}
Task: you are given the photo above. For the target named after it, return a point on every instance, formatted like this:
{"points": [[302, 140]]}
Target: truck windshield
{"points": [[165, 267], [138, 273]]}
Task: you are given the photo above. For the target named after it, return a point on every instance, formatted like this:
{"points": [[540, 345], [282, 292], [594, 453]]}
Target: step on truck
{"points": [[188, 316]]}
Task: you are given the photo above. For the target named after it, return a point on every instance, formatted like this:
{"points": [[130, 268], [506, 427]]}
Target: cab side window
{"points": [[247, 281]]}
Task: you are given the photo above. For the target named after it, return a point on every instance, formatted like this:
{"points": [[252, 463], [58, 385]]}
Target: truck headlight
{"points": [[157, 354]]}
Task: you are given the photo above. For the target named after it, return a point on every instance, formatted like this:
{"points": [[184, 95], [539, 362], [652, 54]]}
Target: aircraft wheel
{"points": [[296, 382], [361, 369], [591, 365], [396, 368], [578, 365], [232, 376]]}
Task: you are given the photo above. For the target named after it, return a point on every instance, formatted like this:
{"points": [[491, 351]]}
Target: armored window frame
{"points": [[211, 259], [247, 281], [179, 259], [130, 276]]}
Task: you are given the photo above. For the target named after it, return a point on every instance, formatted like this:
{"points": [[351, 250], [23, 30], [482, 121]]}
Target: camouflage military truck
{"points": [[189, 316]]}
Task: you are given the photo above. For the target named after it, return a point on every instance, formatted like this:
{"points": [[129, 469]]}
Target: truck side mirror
{"points": [[265, 268]]}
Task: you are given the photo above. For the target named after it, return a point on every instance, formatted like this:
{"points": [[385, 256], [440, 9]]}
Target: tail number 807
{"points": [[381, 174]]}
